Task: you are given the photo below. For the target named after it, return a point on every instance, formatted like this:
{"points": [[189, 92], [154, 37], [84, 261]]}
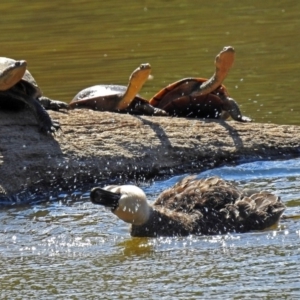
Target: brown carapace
{"points": [[201, 97]]}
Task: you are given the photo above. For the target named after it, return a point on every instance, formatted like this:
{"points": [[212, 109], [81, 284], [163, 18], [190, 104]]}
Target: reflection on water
{"points": [[73, 248], [70, 249]]}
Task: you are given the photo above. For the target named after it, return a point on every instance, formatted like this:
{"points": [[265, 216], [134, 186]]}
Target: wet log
{"points": [[101, 146]]}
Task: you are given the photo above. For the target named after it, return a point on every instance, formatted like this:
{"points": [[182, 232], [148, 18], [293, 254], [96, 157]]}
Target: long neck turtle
{"points": [[18, 89], [200, 97], [118, 98]]}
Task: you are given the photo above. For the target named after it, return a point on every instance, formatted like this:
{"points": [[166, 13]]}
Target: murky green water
{"points": [[74, 44], [71, 250]]}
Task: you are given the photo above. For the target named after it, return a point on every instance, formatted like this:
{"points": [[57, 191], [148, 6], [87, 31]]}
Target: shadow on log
{"points": [[102, 146]]}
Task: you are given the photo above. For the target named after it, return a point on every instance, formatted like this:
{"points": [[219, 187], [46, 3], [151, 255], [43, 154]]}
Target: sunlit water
{"points": [[74, 249], [70, 249]]}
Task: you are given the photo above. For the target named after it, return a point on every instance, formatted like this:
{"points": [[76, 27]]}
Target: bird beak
{"points": [[106, 198]]}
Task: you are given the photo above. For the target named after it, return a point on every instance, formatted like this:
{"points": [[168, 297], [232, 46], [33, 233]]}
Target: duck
{"points": [[206, 206]]}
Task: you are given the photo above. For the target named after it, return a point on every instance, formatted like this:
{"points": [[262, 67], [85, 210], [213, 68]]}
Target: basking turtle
{"points": [[19, 89], [200, 97], [118, 98]]}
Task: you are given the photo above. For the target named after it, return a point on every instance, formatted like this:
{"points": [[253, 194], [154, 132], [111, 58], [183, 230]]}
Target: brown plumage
{"points": [[192, 206]]}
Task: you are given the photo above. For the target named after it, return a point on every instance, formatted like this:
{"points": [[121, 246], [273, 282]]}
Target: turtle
{"points": [[201, 97], [118, 98], [19, 89]]}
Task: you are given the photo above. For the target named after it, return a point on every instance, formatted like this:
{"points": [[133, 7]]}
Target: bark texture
{"points": [[101, 146]]}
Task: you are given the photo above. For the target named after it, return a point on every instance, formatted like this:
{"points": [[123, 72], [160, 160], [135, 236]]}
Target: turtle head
{"points": [[224, 60], [136, 80], [12, 74], [139, 76], [128, 202]]}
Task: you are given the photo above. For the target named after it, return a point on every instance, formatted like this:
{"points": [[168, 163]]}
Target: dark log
{"points": [[101, 146]]}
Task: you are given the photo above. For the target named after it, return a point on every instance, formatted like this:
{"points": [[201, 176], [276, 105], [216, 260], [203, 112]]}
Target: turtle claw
{"points": [[55, 126], [241, 118], [245, 119], [50, 128], [159, 112]]}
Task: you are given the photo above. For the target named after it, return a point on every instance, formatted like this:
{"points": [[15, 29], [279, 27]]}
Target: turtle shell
{"points": [[201, 97], [107, 97], [102, 97], [182, 99]]}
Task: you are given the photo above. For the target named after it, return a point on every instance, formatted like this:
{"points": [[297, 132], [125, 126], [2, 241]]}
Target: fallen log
{"points": [[102, 146]]}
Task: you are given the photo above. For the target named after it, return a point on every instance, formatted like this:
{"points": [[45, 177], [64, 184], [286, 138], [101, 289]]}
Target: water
{"points": [[70, 249], [73, 249], [70, 46]]}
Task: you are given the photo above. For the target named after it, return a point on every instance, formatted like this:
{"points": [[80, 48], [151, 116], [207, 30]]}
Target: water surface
{"points": [[73, 249], [70, 249], [73, 45]]}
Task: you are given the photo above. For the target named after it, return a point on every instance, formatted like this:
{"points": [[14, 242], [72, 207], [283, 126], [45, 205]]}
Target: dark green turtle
{"points": [[19, 89]]}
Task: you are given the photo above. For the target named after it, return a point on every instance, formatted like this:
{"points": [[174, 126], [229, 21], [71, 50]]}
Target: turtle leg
{"points": [[147, 109], [46, 124], [178, 106], [234, 111], [16, 98], [52, 104], [224, 115], [194, 106]]}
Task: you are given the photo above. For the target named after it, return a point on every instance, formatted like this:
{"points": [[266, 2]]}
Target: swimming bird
{"points": [[192, 206]]}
